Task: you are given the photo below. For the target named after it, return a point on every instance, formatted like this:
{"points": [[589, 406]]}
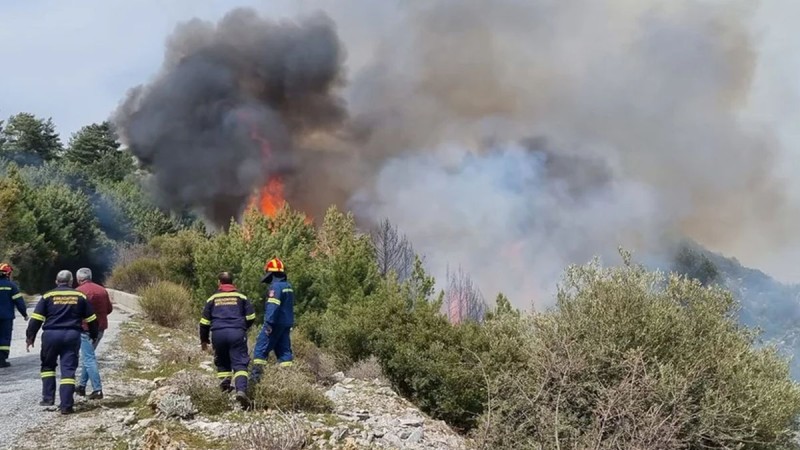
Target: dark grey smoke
{"points": [[224, 91], [639, 103]]}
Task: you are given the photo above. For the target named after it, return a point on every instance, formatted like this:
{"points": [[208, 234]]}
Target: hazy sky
{"points": [[73, 61]]}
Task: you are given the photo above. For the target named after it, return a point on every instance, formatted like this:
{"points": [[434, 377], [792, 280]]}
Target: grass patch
{"points": [[282, 433], [205, 393], [193, 439], [176, 351], [289, 389], [366, 369]]}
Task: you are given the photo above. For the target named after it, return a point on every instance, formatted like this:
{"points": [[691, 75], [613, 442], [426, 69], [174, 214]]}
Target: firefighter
{"points": [[10, 297], [227, 315], [60, 313], [278, 319]]}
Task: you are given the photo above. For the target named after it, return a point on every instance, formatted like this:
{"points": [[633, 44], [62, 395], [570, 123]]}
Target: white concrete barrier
{"points": [[124, 299]]}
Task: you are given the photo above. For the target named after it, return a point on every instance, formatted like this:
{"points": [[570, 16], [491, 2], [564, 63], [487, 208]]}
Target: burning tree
{"points": [[463, 300]]}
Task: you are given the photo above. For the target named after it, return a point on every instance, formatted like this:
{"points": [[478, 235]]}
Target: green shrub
{"points": [[289, 389], [427, 359], [635, 359], [175, 252], [167, 304], [137, 275], [246, 247]]}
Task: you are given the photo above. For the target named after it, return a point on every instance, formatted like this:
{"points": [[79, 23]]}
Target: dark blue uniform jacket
{"points": [[10, 298], [63, 308], [280, 304], [227, 308]]}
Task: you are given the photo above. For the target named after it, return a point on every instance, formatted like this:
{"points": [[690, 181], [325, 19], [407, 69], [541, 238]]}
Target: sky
{"points": [[74, 61]]}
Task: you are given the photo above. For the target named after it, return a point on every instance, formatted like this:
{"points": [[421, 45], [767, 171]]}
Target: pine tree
{"points": [[26, 135]]}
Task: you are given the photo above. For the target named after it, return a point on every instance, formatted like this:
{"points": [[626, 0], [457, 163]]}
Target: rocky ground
{"points": [[147, 407]]}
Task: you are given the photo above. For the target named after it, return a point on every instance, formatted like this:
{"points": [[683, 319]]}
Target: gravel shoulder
{"points": [[21, 386]]}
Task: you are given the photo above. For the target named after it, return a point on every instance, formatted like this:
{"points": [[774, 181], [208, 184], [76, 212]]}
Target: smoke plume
{"points": [[509, 137], [225, 88]]}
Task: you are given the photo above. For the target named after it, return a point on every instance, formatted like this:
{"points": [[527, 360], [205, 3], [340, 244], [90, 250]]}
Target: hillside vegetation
{"points": [[628, 357]]}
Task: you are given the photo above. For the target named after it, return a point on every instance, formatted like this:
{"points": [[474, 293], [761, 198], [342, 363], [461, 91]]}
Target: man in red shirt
{"points": [[101, 303]]}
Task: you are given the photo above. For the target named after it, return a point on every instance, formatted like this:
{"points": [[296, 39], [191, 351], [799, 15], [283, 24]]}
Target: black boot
{"points": [[47, 403], [241, 397], [255, 373], [80, 390], [96, 395], [67, 410], [4, 363]]}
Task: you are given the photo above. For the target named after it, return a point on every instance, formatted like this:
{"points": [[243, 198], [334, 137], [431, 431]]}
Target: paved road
{"points": [[21, 386]]}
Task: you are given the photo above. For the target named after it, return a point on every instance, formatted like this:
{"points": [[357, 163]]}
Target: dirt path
{"points": [[21, 386]]}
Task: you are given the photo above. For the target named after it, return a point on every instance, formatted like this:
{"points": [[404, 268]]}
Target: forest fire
{"points": [[270, 198]]}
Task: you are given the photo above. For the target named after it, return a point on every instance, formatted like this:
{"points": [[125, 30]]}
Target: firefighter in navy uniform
{"points": [[278, 319], [10, 298], [60, 313], [227, 315]]}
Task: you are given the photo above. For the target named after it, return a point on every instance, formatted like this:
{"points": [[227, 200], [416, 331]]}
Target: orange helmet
{"points": [[6, 268], [274, 265]]}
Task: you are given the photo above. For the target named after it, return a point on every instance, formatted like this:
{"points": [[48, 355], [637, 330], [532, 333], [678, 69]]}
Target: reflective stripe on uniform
{"points": [[38, 317], [91, 318], [5, 347], [48, 374], [287, 290], [274, 300], [204, 321], [224, 374], [285, 364], [241, 373], [226, 294], [259, 361], [5, 288], [68, 381], [16, 296], [60, 293], [250, 316]]}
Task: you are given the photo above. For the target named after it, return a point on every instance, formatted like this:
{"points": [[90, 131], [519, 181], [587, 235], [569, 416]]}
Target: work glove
{"points": [[28, 345], [25, 317]]}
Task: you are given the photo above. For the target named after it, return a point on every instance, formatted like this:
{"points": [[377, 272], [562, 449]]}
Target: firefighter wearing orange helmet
{"points": [[10, 297], [278, 319]]}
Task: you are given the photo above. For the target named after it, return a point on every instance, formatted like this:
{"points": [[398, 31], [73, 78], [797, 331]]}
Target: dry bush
{"points": [[204, 391], [281, 434], [366, 369], [167, 304], [125, 254], [136, 275], [636, 360], [320, 363], [289, 389]]}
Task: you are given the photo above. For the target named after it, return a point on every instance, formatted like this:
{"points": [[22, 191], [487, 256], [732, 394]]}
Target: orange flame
{"points": [[270, 198]]}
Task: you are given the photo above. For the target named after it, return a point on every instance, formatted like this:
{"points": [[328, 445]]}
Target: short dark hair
{"points": [[225, 278]]}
